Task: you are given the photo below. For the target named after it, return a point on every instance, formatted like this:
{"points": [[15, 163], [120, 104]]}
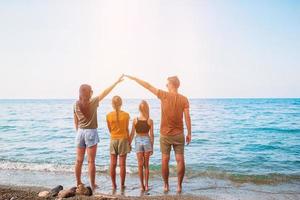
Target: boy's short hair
{"points": [[174, 80]]}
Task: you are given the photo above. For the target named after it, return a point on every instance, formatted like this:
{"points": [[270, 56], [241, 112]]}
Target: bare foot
{"points": [[94, 187], [142, 188], [166, 188], [114, 186], [179, 189], [146, 188], [123, 187], [114, 191], [79, 183]]}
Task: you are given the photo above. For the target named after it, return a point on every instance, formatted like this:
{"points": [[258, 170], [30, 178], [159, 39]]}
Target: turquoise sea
{"points": [[234, 141]]}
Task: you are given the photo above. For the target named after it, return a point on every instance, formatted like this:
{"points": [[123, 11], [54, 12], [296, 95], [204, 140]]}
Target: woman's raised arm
{"points": [[109, 89]]}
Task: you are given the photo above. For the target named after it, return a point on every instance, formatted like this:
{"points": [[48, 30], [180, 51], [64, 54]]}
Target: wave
{"points": [[259, 179], [48, 167], [258, 147], [155, 171], [276, 130], [7, 127]]}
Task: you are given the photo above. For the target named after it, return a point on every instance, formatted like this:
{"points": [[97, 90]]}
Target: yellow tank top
{"points": [[118, 128]]}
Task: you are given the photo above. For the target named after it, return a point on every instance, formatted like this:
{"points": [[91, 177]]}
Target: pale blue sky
{"points": [[217, 48]]}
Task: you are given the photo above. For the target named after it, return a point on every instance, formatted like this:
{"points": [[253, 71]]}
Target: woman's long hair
{"points": [[144, 109], [117, 103], [85, 93]]}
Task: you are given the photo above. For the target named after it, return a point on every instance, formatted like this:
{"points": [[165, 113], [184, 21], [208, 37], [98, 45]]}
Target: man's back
{"points": [[172, 108]]}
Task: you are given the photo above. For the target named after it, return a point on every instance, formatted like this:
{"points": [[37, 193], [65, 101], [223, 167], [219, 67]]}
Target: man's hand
{"points": [[128, 76], [188, 138]]}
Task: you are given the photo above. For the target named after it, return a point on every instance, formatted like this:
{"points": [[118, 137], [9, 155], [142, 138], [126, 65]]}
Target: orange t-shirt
{"points": [[172, 109], [118, 129]]}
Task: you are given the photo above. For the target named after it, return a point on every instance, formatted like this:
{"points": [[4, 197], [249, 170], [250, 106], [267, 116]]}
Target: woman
{"points": [[85, 119], [144, 139], [118, 122]]}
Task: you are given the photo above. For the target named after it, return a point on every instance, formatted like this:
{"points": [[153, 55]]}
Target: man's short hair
{"points": [[175, 81]]}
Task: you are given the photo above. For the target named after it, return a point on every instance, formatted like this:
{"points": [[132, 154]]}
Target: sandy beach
{"points": [[31, 193], [26, 184], [10, 192]]}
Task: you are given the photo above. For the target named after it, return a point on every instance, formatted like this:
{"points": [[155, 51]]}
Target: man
{"points": [[173, 107]]}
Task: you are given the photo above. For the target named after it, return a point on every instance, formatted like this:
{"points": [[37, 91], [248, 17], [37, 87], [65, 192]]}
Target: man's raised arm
{"points": [[145, 84]]}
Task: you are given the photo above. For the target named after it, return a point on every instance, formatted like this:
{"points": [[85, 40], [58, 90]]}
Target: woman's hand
{"points": [[120, 79]]}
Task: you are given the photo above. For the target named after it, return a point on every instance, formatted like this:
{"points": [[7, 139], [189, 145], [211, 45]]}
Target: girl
{"points": [[85, 120], [118, 122], [144, 139]]}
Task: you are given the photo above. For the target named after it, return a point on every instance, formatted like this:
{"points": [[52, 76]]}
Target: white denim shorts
{"points": [[142, 144], [86, 138]]}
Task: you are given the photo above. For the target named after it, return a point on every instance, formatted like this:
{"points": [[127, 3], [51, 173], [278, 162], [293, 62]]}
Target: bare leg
{"points": [[122, 163], [140, 158], [91, 152], [180, 170], [78, 165], [146, 165], [165, 171], [113, 165]]}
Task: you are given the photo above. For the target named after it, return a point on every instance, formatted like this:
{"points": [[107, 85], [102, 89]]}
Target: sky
{"points": [[218, 49]]}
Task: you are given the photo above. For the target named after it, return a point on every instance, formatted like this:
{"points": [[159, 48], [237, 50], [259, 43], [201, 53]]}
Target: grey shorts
{"points": [[142, 144], [86, 138]]}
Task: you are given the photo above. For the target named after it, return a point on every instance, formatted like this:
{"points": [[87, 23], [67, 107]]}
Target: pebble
{"points": [[43, 194]]}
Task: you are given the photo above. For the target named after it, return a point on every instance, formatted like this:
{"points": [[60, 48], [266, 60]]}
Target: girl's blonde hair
{"points": [[117, 103], [144, 109]]}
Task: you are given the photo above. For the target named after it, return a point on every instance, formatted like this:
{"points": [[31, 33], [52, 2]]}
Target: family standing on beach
{"points": [[174, 107]]}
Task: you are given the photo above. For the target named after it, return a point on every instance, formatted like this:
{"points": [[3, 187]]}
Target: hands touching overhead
{"points": [[103, 94], [120, 79]]}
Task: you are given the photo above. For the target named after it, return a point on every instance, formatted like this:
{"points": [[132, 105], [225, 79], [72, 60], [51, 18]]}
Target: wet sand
{"points": [[31, 193]]}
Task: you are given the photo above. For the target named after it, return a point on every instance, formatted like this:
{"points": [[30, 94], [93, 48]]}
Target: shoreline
{"points": [[27, 184], [31, 193]]}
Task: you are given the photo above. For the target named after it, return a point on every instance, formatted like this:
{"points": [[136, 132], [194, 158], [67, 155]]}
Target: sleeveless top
{"points": [[142, 126], [119, 130]]}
